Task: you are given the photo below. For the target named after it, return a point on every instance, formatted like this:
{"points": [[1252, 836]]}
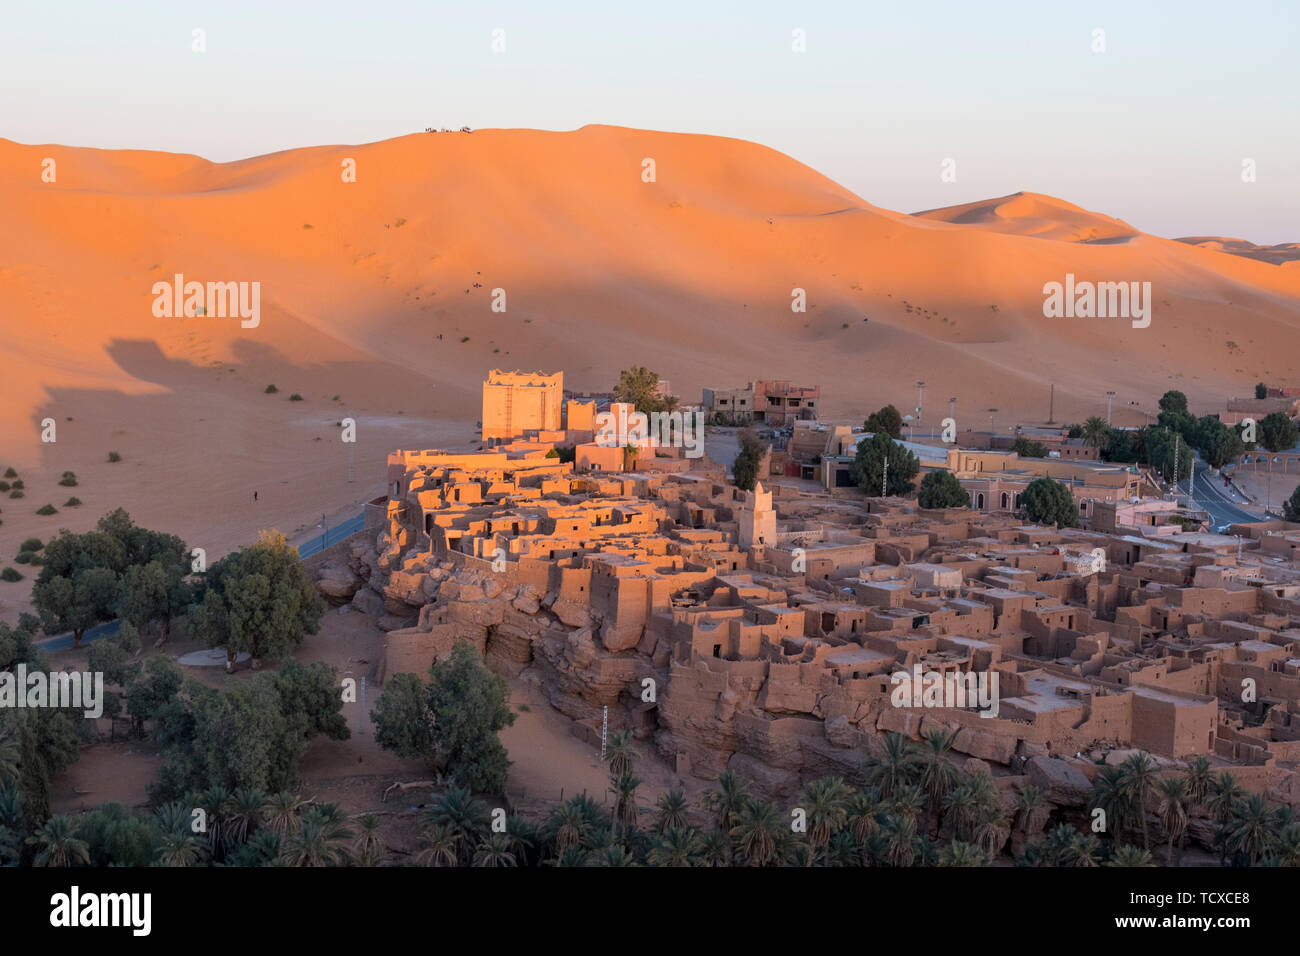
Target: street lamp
{"points": [[952, 408], [920, 393]]}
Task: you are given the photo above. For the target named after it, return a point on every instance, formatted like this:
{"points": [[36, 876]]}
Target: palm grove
{"points": [[216, 746]]}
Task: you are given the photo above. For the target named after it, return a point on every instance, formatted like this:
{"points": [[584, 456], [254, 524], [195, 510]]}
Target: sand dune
{"points": [[380, 291], [1032, 214], [1280, 254]]}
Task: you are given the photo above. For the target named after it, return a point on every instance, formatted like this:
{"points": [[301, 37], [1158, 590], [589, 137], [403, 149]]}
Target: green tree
{"points": [[1167, 450], [1277, 432], [1217, 443], [157, 590], [60, 844], [1095, 432], [869, 465], [758, 832], [1049, 502], [1173, 803], [452, 722], [887, 421], [1261, 390], [1291, 507], [1025, 448], [640, 386], [1174, 414], [941, 489], [1119, 446], [748, 460], [265, 603], [115, 836], [826, 803]]}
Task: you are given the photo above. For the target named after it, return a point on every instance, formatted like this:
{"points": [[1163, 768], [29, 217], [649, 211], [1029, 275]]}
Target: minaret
{"points": [[757, 519]]}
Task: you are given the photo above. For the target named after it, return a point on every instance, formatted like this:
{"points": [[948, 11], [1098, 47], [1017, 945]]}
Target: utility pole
{"points": [[1051, 406], [1109, 396]]}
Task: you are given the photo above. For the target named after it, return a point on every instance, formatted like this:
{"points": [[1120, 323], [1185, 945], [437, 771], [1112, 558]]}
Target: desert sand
{"points": [[376, 303]]}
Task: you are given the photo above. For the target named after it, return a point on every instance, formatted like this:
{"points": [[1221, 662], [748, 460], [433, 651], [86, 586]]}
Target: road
{"points": [[62, 642], [1211, 496]]}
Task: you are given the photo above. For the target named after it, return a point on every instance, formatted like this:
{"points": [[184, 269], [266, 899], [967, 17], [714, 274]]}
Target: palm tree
{"points": [[908, 801], [938, 774], [758, 832], [620, 755], [1095, 432], [961, 806], [243, 813], [1055, 847], [178, 847], [281, 812], [368, 850], [991, 830], [1130, 856], [58, 843], [467, 817], [843, 851], [1112, 797], [958, 853], [715, 849], [567, 825], [625, 809], [826, 804], [863, 822], [612, 855], [672, 810], [319, 841], [677, 846], [1251, 831], [213, 803], [10, 753], [440, 843], [1138, 780], [1199, 775], [895, 768], [1031, 809], [1222, 803], [494, 851], [1172, 792], [726, 802], [900, 834], [1083, 850], [523, 837], [1288, 845]]}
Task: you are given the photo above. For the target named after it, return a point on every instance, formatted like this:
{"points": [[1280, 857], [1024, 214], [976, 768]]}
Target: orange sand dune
{"points": [[1280, 254], [380, 292], [1031, 214]]}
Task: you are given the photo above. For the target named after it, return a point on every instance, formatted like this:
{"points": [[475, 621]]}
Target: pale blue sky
{"points": [[1153, 131]]}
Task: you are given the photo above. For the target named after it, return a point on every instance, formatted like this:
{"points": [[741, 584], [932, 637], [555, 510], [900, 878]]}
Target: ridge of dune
{"points": [[1281, 253], [1036, 215]]}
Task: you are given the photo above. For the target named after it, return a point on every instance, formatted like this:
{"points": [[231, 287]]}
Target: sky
{"points": [[1154, 129]]}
